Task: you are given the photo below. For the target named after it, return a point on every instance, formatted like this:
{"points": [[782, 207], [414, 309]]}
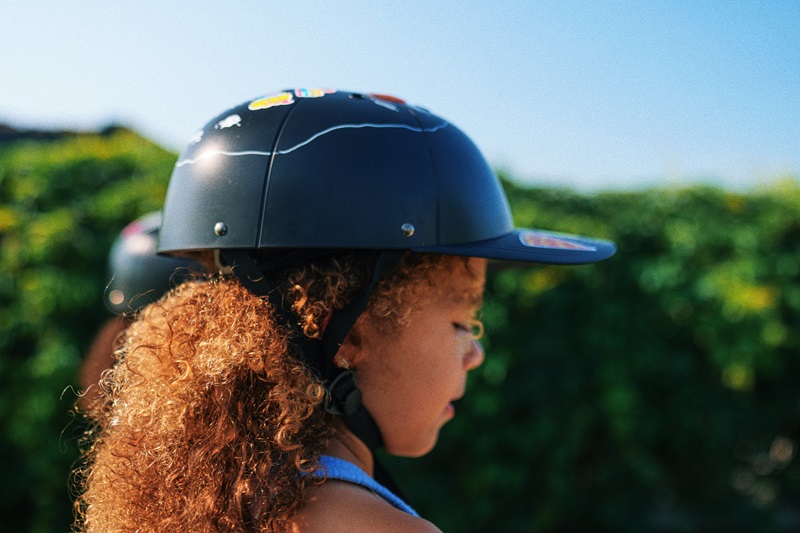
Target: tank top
{"points": [[346, 471]]}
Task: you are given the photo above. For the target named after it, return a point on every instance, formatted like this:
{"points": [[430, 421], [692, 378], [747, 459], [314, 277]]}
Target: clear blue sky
{"points": [[580, 93]]}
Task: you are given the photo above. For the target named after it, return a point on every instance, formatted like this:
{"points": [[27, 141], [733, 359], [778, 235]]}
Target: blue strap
{"points": [[343, 470]]}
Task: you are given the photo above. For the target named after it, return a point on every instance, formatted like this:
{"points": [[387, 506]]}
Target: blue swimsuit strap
{"points": [[342, 470]]}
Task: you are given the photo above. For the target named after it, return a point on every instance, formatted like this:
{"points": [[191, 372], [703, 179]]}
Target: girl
{"points": [[350, 236]]}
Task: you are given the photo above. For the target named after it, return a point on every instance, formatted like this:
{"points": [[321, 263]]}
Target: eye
{"points": [[473, 329], [462, 327]]}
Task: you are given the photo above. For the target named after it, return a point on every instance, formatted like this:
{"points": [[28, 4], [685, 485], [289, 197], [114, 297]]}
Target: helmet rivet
{"points": [[220, 228], [407, 230]]}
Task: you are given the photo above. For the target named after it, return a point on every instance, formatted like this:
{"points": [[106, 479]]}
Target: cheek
{"points": [[414, 371], [433, 353], [424, 360], [440, 366]]}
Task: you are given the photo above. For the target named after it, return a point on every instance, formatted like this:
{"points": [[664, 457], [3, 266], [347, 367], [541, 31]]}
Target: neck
{"points": [[345, 445]]}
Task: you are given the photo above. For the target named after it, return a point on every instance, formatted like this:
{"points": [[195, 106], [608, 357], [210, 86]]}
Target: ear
{"points": [[352, 349]]}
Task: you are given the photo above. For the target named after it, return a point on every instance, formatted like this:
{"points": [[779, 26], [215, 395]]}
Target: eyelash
{"points": [[462, 327], [475, 329]]}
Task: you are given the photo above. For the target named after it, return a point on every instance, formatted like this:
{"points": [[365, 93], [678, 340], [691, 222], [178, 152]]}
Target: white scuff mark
{"points": [[228, 122], [210, 153], [357, 126]]}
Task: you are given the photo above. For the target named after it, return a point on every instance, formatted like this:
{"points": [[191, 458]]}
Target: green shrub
{"points": [[62, 203], [651, 392], [655, 391]]}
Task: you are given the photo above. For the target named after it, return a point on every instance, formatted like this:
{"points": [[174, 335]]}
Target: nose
{"points": [[474, 356]]}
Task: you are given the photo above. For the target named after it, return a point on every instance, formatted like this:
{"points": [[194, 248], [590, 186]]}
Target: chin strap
{"points": [[344, 397]]}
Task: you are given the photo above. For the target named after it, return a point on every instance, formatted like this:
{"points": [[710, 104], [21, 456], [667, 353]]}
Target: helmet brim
{"points": [[532, 246]]}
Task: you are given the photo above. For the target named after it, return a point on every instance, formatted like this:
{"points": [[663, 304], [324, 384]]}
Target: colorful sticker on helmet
{"points": [[134, 228], [387, 98], [541, 240], [271, 101], [312, 93], [228, 122]]}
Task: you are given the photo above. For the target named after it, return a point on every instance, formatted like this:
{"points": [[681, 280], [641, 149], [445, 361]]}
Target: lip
{"points": [[450, 410]]}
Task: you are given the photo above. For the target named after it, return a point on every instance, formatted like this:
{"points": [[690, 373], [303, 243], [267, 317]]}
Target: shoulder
{"points": [[337, 506]]}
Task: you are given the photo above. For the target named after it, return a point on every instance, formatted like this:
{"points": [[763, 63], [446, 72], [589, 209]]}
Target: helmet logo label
{"points": [[286, 98], [542, 240]]}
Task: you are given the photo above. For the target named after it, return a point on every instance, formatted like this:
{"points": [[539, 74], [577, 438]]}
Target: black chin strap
{"points": [[344, 397]]}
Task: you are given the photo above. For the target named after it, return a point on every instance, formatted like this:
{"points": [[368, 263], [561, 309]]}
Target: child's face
{"points": [[410, 377]]}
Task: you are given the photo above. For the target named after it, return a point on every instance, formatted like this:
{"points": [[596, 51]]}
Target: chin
{"points": [[412, 450]]}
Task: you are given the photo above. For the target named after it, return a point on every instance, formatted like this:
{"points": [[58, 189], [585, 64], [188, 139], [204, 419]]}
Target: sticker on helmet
{"points": [[286, 98], [387, 101], [387, 98], [540, 240], [228, 122], [312, 93], [134, 228], [271, 101]]}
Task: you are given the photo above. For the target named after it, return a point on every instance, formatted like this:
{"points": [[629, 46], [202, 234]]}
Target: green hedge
{"points": [[653, 392], [656, 391], [62, 203]]}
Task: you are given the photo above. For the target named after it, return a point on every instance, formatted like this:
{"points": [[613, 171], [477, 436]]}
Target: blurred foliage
{"points": [[655, 391], [651, 392], [62, 203]]}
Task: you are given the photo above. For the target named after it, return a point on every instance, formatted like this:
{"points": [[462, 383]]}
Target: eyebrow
{"points": [[475, 299], [472, 296]]}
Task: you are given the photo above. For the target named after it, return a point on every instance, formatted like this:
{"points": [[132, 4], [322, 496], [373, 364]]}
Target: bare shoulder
{"points": [[337, 506]]}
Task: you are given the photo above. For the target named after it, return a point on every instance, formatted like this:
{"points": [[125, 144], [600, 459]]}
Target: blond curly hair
{"points": [[207, 421]]}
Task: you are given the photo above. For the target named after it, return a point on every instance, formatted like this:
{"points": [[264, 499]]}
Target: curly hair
{"points": [[207, 421]]}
